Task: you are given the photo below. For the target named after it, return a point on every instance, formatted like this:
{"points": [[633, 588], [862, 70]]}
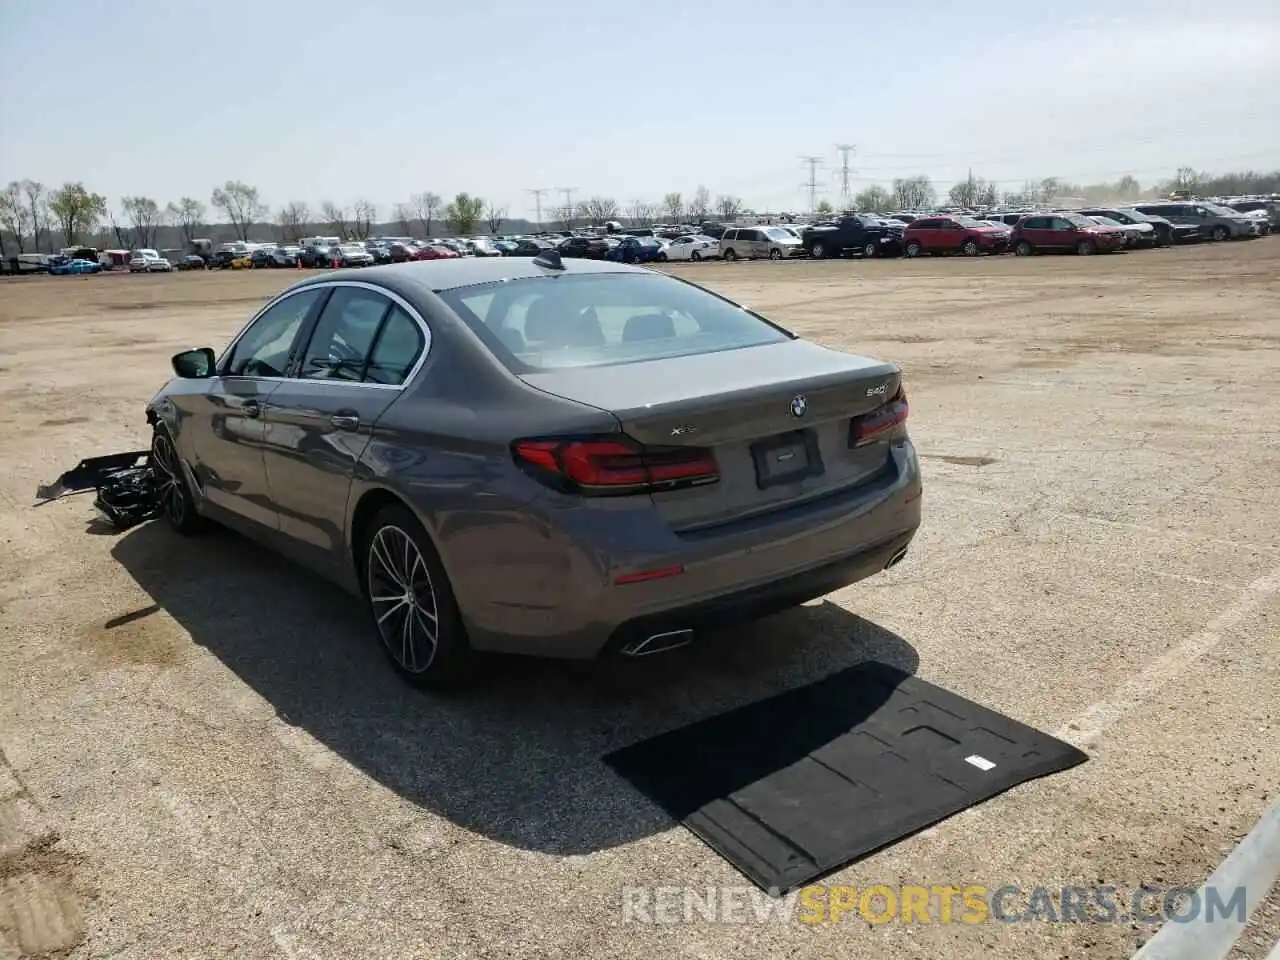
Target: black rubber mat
{"points": [[790, 788]]}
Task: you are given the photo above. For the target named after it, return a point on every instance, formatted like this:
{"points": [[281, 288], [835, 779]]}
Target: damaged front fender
{"points": [[127, 486]]}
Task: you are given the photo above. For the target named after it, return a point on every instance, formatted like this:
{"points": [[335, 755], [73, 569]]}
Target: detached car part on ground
{"points": [[541, 456]]}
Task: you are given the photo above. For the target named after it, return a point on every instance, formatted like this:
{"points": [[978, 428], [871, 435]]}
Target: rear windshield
{"points": [[548, 323]]}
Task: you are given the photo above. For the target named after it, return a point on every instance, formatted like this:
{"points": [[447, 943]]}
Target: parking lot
{"points": [[205, 755]]}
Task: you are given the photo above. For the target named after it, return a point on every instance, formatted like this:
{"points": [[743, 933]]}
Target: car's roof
{"points": [[436, 275]]}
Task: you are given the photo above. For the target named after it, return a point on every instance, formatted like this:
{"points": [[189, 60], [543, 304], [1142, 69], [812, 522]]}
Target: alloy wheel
{"points": [[403, 599], [172, 492]]}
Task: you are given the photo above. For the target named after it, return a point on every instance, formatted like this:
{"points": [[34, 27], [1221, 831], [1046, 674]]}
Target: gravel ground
{"points": [[203, 754]]}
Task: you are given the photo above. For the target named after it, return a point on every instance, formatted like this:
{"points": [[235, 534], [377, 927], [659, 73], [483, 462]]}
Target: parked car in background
{"points": [[760, 243], [638, 250], [435, 251], [1214, 222], [1129, 236], [192, 261], [531, 247], [148, 261], [953, 234], [1041, 233], [268, 257], [60, 266], [1265, 212], [588, 248], [693, 246], [860, 233], [351, 255], [1162, 234], [242, 261]]}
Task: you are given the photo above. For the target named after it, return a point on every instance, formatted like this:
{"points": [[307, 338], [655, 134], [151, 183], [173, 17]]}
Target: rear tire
{"points": [[695, 256], [818, 251], [914, 249], [411, 601], [870, 249], [176, 502]]}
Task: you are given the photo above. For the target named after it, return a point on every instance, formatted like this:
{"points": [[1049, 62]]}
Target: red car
{"points": [[1063, 231], [953, 234], [435, 251]]}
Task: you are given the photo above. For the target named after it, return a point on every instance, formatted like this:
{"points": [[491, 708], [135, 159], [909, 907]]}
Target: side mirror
{"points": [[194, 364]]}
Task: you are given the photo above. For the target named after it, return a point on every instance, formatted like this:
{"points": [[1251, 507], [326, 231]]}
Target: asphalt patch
{"points": [[790, 788]]}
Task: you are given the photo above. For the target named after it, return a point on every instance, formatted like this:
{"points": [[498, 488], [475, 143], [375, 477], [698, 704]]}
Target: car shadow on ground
{"points": [[514, 757]]}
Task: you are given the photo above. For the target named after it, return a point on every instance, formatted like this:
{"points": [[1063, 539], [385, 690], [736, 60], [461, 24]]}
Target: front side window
{"points": [[264, 348], [546, 323]]}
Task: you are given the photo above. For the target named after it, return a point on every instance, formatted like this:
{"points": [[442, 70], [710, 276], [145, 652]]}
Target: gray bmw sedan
{"points": [[557, 457]]}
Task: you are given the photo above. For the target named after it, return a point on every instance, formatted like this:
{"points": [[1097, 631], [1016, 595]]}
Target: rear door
{"points": [[359, 353]]}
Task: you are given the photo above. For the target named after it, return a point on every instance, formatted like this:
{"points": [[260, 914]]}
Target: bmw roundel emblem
{"points": [[799, 405]]}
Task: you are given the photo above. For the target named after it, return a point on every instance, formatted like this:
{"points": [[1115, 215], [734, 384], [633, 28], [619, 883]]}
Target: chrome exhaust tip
{"points": [[658, 643], [896, 558]]}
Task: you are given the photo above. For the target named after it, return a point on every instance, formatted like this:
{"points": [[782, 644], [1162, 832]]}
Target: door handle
{"points": [[251, 408], [345, 421]]}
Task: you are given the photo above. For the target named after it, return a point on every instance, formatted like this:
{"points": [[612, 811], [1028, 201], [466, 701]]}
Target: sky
{"points": [[323, 100]]}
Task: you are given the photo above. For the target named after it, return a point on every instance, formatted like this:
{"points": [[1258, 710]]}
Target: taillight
{"points": [[614, 465], [869, 426]]}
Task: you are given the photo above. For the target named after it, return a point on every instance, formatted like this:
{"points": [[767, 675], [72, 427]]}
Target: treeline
{"points": [[36, 218]]}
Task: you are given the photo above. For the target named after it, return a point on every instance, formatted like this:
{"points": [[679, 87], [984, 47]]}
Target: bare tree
{"points": [[874, 199], [76, 210], [1186, 179], [824, 208], [37, 210], [673, 207], [728, 207], [15, 215], [596, 210], [495, 216], [240, 203], [700, 205], [186, 215], [972, 192], [292, 220], [914, 193], [403, 214], [641, 212], [143, 214], [364, 216], [426, 206], [335, 218]]}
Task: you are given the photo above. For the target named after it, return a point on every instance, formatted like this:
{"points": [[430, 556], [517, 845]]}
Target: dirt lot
{"points": [[204, 754]]}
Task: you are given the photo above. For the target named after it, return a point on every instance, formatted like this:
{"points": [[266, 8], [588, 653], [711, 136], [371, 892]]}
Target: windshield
{"points": [[548, 323], [970, 222], [1221, 210], [777, 233], [1079, 221], [352, 248]]}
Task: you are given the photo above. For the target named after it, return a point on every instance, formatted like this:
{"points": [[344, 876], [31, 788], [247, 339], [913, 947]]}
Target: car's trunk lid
{"points": [[777, 418]]}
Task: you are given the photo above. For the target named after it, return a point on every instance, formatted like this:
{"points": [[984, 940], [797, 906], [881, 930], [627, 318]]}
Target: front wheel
{"points": [[661, 258], [1084, 248], [729, 254], [174, 495], [1022, 248], [775, 254], [970, 248], [411, 601], [1220, 233]]}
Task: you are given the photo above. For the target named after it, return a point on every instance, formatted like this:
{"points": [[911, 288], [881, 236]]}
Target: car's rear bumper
{"points": [[713, 576]]}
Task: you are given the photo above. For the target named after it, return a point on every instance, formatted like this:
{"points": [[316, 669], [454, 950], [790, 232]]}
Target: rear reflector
{"points": [[614, 465], [870, 426], [644, 575]]}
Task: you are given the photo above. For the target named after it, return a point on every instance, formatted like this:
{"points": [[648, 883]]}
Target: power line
{"points": [[846, 194], [537, 193], [812, 183], [568, 204]]}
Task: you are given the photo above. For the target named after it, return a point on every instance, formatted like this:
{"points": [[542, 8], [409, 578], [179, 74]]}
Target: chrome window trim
{"points": [[326, 285]]}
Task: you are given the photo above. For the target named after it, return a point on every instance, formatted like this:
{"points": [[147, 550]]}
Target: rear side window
{"points": [[547, 323], [344, 335], [400, 342]]}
